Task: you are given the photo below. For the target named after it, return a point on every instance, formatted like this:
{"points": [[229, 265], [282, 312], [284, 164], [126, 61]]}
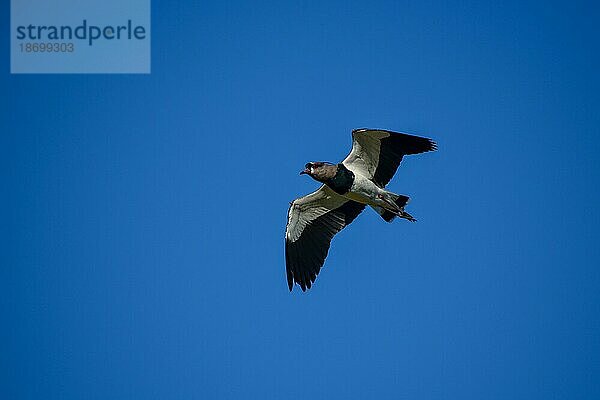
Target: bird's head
{"points": [[320, 170]]}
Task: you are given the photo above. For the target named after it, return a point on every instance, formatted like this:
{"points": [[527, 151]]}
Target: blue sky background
{"points": [[144, 216]]}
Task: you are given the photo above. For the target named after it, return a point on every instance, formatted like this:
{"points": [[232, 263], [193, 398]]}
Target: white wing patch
{"points": [[310, 207], [376, 154], [363, 159]]}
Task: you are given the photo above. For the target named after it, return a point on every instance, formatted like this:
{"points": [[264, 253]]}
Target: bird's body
{"points": [[350, 183], [364, 191], [348, 187]]}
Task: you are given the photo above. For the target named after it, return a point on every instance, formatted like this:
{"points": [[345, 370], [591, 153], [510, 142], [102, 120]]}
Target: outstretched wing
{"points": [[377, 153], [313, 220]]}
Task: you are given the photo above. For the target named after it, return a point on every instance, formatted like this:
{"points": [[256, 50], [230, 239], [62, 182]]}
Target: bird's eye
{"points": [[308, 165]]}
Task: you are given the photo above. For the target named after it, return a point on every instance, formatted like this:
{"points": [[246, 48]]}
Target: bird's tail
{"points": [[400, 201]]}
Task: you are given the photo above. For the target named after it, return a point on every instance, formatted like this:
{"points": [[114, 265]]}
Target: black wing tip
{"points": [[305, 283], [432, 145], [428, 145], [302, 285]]}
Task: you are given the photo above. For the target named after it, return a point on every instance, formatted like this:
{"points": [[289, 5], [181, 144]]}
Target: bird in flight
{"points": [[347, 188]]}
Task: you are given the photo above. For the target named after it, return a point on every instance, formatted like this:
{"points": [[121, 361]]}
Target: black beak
{"points": [[305, 171]]}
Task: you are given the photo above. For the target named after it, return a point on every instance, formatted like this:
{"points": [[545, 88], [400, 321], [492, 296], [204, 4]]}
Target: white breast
{"points": [[363, 190]]}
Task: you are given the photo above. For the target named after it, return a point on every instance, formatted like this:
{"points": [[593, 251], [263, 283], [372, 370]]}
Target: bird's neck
{"points": [[342, 180]]}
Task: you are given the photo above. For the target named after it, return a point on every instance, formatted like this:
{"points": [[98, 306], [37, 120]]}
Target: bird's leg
{"points": [[405, 215], [399, 211], [394, 207]]}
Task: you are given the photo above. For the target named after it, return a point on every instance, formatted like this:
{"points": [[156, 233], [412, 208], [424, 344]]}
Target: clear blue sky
{"points": [[144, 215]]}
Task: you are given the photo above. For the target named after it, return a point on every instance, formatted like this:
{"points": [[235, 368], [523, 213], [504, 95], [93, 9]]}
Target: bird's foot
{"points": [[405, 215], [393, 207]]}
